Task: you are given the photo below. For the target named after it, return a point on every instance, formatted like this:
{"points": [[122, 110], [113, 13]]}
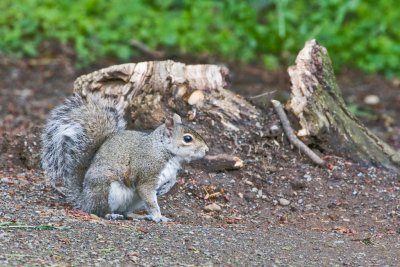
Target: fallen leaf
{"points": [[391, 232], [142, 230], [56, 257], [79, 215], [132, 256], [343, 230]]}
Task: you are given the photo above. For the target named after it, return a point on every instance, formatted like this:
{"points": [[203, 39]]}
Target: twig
{"points": [[263, 94], [366, 241], [21, 256], [292, 137], [10, 225], [237, 145], [249, 151], [147, 50]]}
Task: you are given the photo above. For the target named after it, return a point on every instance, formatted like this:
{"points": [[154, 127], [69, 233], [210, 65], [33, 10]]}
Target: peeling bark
{"points": [[317, 102]]}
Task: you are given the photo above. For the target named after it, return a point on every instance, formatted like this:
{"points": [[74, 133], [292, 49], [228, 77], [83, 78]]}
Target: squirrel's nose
{"points": [[206, 149]]}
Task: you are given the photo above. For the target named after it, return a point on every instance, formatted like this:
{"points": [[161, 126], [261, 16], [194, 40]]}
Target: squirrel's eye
{"points": [[187, 138]]}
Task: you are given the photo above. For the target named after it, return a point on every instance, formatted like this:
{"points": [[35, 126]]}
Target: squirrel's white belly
{"points": [[167, 177], [123, 199]]}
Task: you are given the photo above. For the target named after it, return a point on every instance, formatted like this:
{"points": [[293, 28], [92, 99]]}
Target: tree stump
{"points": [[317, 102], [152, 89]]}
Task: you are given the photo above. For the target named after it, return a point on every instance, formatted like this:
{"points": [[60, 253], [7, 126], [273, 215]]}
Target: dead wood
{"points": [[152, 89], [317, 102], [222, 162], [292, 137]]}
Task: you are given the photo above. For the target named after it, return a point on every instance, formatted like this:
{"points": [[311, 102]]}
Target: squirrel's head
{"points": [[185, 142]]}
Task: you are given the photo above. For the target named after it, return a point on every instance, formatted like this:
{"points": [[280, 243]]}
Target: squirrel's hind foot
{"points": [[157, 219], [114, 216], [136, 217]]}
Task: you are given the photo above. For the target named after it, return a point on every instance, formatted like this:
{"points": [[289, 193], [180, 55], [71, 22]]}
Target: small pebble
{"points": [[284, 202], [248, 182], [212, 207], [307, 177], [371, 100]]}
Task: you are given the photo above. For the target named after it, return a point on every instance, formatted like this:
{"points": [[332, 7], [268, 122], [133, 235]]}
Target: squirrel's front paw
{"points": [[157, 219]]}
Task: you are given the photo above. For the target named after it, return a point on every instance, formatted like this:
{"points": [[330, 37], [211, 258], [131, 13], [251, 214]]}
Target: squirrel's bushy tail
{"points": [[73, 133]]}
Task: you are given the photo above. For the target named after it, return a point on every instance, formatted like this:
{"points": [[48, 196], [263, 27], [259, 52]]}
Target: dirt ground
{"points": [[278, 210]]}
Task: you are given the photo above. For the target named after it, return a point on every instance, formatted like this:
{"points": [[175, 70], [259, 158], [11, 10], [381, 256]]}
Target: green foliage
{"points": [[12, 226], [359, 33], [361, 111]]}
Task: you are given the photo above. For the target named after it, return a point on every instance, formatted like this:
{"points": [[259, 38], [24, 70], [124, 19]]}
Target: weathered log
{"points": [[152, 89], [317, 102]]}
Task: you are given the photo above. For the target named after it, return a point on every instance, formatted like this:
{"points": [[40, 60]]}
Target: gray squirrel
{"points": [[108, 170]]}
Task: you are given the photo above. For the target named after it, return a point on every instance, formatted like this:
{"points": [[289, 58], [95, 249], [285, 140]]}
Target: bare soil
{"points": [[279, 209]]}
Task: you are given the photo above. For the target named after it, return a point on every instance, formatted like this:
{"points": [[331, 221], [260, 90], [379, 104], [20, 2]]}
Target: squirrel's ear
{"points": [[170, 123], [177, 118], [169, 126]]}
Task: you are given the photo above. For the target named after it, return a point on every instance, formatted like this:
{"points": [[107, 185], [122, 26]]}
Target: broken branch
{"points": [[292, 137], [147, 50], [222, 162]]}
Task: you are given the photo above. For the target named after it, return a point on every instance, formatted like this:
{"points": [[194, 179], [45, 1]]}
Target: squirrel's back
{"points": [[73, 133]]}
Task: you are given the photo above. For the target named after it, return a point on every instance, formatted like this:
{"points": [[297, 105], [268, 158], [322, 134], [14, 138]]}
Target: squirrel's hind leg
{"points": [[99, 196], [94, 199]]}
